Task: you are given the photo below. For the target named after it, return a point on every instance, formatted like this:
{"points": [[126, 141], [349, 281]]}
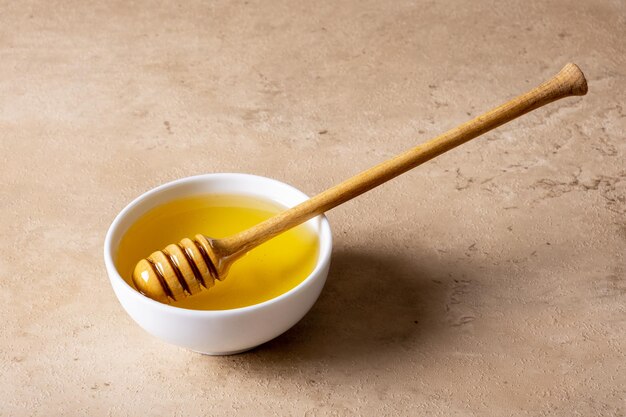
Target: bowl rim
{"points": [[324, 236]]}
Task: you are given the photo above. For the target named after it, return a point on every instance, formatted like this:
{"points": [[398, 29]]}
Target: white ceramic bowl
{"points": [[225, 331]]}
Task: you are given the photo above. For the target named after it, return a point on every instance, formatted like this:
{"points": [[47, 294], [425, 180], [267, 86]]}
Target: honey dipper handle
{"points": [[570, 81]]}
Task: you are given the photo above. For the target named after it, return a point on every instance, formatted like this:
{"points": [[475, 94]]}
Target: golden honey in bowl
{"points": [[266, 272]]}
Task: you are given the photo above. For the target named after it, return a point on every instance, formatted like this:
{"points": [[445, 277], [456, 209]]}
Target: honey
{"points": [[265, 272]]}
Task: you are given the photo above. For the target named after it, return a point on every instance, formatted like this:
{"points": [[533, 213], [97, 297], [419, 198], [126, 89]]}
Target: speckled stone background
{"points": [[491, 281]]}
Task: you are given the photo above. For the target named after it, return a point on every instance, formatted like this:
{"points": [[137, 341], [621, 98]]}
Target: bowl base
{"points": [[232, 352]]}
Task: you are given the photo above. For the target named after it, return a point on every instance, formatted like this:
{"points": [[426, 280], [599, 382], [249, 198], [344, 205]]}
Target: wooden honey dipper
{"points": [[188, 267]]}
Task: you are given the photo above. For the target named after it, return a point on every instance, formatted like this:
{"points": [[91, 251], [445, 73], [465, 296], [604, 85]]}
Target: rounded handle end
{"points": [[573, 79]]}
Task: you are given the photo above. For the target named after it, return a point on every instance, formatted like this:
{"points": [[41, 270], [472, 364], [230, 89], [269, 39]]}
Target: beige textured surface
{"points": [[491, 281]]}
